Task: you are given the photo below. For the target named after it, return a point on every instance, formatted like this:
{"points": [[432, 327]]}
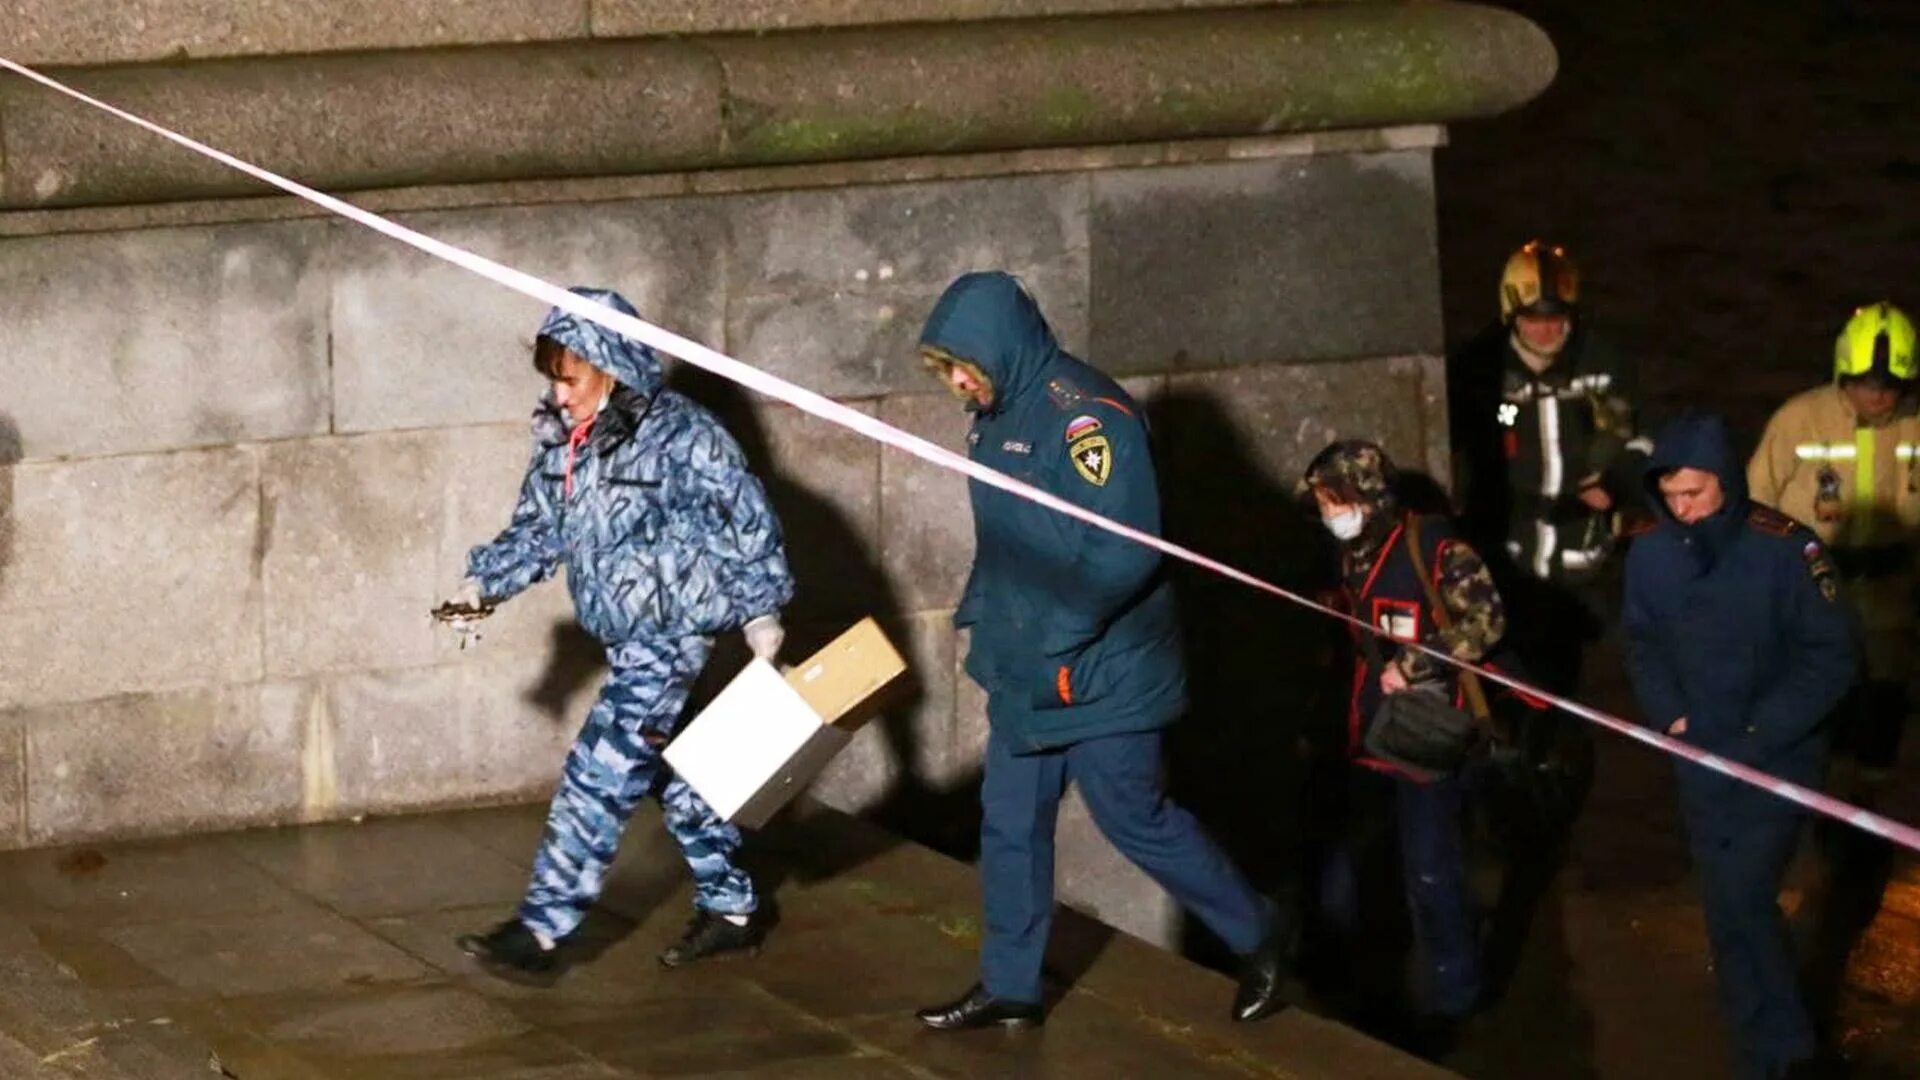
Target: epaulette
{"points": [[1770, 521], [1064, 394]]}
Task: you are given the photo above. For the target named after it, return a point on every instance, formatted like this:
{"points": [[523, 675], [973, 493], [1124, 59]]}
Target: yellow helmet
{"points": [[1878, 340], [1539, 279]]}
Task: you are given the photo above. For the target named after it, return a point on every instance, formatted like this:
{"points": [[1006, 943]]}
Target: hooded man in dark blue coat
{"points": [[1738, 645], [1076, 641]]}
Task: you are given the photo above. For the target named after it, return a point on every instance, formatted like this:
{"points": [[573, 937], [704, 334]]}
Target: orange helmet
{"points": [[1540, 279]]}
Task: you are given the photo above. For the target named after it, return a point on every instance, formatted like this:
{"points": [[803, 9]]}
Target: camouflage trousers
{"points": [[614, 764]]}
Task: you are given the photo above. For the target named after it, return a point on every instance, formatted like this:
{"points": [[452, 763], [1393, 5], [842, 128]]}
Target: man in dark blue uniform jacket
{"points": [[1738, 645], [1076, 642]]}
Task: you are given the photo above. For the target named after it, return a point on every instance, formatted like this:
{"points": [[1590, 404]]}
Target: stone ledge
{"points": [[76, 32], [608, 108], [143, 31], [737, 181]]}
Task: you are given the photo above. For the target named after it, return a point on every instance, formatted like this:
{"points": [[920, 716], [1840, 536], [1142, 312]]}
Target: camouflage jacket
{"points": [[1385, 591], [663, 530]]}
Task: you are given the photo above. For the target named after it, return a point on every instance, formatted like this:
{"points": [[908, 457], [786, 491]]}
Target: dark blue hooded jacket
{"points": [[1733, 623], [1074, 629], [666, 533]]}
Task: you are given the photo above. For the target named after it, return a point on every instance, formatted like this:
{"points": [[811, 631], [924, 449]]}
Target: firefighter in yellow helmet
{"points": [[1841, 457]]}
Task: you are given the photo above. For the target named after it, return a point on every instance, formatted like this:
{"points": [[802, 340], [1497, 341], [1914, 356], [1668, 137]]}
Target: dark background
{"points": [[1733, 178]]}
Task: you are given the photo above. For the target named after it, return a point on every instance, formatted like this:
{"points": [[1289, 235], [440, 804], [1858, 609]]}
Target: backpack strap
{"points": [[1469, 682]]}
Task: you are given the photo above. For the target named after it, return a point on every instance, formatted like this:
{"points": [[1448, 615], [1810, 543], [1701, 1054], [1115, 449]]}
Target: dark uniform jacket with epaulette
{"points": [[1525, 440], [1734, 624], [1074, 633]]}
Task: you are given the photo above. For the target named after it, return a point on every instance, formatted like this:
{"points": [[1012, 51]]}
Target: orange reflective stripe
{"points": [[1065, 686]]}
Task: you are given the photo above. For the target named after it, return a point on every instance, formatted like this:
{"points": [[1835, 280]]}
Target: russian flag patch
{"points": [[1080, 427]]}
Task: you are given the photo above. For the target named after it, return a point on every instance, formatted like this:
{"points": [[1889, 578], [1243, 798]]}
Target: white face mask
{"points": [[1345, 525]]}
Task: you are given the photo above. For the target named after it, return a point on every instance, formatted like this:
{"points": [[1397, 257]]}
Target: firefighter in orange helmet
{"points": [[1547, 456]]}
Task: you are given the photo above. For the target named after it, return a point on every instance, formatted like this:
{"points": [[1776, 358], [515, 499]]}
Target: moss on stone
{"points": [[822, 96], [828, 136], [1068, 110]]}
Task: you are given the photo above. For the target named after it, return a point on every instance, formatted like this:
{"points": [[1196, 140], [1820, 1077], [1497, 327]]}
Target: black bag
{"points": [[1423, 733], [1419, 729]]}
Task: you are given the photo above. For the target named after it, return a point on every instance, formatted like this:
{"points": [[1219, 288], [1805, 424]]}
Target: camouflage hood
{"points": [[1355, 471], [632, 364]]}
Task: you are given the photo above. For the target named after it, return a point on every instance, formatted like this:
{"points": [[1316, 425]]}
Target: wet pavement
{"points": [[327, 952]]}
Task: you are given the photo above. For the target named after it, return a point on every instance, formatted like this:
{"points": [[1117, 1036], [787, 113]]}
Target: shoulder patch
{"points": [[1081, 426], [1820, 567], [1768, 520], [1064, 393], [1092, 459]]}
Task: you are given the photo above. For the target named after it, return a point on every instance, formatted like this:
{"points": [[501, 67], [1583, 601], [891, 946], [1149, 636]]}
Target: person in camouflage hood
{"points": [[667, 540], [1352, 485], [1359, 474]]}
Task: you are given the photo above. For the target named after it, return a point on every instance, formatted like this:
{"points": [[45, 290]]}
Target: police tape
{"points": [[827, 409]]}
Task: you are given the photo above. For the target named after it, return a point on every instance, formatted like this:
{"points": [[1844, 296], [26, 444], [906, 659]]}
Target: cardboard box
{"points": [[766, 736]]}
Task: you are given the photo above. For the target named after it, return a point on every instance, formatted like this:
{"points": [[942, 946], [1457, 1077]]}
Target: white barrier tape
{"points": [[720, 364]]}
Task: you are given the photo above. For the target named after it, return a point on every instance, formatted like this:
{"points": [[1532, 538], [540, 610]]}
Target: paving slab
{"points": [[385, 866], [301, 948], [327, 952]]}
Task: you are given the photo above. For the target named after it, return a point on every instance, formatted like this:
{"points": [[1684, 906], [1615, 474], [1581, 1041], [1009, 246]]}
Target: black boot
{"points": [[713, 935], [1261, 975], [977, 1009], [511, 952]]}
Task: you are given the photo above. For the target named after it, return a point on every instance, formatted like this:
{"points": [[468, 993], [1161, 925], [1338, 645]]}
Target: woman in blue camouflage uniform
{"points": [[668, 540]]}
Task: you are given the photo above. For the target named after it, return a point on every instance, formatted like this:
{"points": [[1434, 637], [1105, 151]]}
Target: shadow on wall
{"points": [[10, 453], [1266, 702], [839, 580]]}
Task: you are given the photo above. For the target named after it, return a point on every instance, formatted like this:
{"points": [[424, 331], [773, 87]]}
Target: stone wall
{"points": [[244, 446], [252, 454]]}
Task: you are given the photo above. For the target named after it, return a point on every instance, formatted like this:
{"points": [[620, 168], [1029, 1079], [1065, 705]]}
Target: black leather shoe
{"points": [[511, 952], [712, 935], [1260, 977], [977, 1009]]}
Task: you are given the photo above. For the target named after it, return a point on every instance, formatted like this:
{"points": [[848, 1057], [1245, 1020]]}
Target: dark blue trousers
{"points": [[1119, 777], [1433, 872], [1742, 861]]}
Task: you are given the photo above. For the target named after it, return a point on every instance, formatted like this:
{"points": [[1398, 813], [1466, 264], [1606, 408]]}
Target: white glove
{"points": [[466, 603], [468, 596], [463, 610], [764, 636]]}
